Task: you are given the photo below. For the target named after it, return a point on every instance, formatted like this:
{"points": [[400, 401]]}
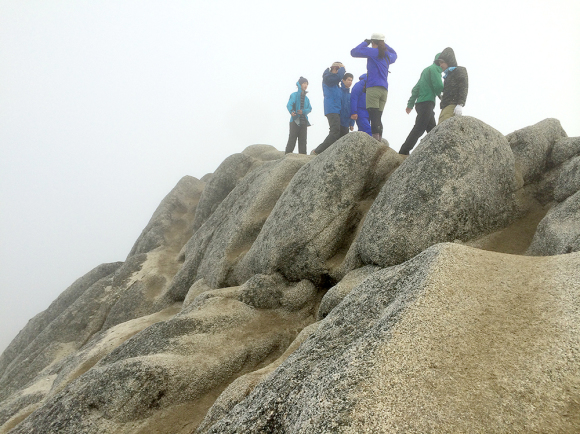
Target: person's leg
{"points": [[364, 125], [446, 113], [343, 131], [383, 93], [292, 138], [373, 109], [302, 132], [422, 121], [333, 134], [431, 124], [376, 125]]}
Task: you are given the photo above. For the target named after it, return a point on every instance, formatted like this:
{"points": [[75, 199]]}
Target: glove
{"points": [[458, 110], [368, 41]]}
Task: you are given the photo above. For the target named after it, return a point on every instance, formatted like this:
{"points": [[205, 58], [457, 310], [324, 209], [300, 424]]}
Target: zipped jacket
{"points": [[345, 119], [377, 68], [358, 98], [294, 105], [456, 83], [331, 90], [429, 86]]}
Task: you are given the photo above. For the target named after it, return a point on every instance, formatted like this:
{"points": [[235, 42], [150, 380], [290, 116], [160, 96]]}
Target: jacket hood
{"points": [[436, 59], [448, 56], [300, 87], [363, 77]]}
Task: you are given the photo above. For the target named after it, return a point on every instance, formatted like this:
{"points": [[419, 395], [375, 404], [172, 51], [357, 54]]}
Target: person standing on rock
{"points": [[358, 105], [346, 123], [379, 56], [422, 98], [455, 87], [332, 103], [299, 107]]}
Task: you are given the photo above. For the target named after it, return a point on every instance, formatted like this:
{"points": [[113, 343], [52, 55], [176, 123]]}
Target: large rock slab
{"points": [[426, 347], [564, 149], [532, 147], [458, 184], [559, 231], [165, 378], [232, 228], [311, 227], [569, 180]]}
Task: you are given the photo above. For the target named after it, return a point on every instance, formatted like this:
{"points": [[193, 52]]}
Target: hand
{"points": [[458, 110], [355, 117], [408, 110], [299, 112], [352, 128], [368, 41], [293, 113]]}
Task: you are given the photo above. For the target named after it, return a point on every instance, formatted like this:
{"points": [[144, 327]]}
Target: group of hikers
{"points": [[365, 105]]}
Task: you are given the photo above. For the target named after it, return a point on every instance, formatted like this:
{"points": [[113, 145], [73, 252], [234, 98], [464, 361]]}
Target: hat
{"points": [[378, 37], [302, 80]]}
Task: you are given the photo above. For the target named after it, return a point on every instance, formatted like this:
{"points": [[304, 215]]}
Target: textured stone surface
{"points": [[564, 149], [569, 180], [165, 378], [532, 147], [459, 183], [559, 231], [311, 226], [426, 346]]}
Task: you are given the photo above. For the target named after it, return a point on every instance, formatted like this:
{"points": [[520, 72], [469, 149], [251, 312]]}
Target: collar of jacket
{"points": [[343, 87], [448, 70]]}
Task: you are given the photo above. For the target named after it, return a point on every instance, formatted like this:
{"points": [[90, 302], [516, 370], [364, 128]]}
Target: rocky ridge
{"points": [[355, 291]]}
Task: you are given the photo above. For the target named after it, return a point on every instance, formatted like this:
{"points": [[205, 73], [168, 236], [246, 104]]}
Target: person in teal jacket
{"points": [[299, 107], [429, 86]]}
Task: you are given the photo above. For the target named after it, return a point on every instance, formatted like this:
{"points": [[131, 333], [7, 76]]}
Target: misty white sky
{"points": [[105, 105]]}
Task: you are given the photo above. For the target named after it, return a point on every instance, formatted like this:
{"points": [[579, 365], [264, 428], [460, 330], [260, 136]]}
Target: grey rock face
{"points": [[233, 227], [458, 184], [569, 180], [167, 374], [170, 225], [426, 345], [532, 147], [559, 231], [313, 222], [564, 149]]}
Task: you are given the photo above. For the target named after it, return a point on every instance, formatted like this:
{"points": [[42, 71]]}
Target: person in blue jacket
{"points": [[358, 105], [299, 107], [346, 123], [379, 57], [332, 103]]}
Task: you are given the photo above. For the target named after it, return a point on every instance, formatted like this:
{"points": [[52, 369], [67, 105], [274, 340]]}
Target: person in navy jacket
{"points": [[299, 107], [331, 79], [346, 123], [379, 57], [358, 105]]}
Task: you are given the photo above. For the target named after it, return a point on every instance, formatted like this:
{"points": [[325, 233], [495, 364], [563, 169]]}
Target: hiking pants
{"points": [[446, 113], [333, 134], [296, 132], [425, 121], [364, 125], [343, 131]]}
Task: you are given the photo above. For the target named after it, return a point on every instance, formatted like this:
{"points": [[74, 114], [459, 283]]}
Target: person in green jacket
{"points": [[429, 86]]}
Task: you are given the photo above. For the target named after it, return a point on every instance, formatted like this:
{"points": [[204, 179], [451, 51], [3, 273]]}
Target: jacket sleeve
{"points": [[414, 95], [363, 50], [290, 105], [307, 107], [436, 82], [331, 79], [463, 87], [354, 95]]}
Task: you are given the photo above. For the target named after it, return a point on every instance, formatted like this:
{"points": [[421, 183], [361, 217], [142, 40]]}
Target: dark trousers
{"points": [[333, 134], [343, 131], [376, 122], [296, 132], [425, 121]]}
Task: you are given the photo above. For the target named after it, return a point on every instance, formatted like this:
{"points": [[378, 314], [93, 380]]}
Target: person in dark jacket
{"points": [[299, 107], [422, 98], [346, 123], [332, 103], [358, 105], [379, 57], [455, 87]]}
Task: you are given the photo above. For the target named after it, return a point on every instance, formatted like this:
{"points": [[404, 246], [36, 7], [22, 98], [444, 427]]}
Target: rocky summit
{"points": [[356, 291]]}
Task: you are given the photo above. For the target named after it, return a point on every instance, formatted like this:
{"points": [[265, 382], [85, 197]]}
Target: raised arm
{"points": [[331, 79], [363, 50]]}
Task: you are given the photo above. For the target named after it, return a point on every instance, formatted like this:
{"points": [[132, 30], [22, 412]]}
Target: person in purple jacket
{"points": [[379, 56], [358, 105]]}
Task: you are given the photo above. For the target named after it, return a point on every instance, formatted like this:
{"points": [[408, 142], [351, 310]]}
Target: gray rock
{"points": [[569, 180], [426, 345], [233, 227], [206, 177], [263, 152], [169, 374], [459, 183], [336, 294], [564, 149], [559, 231], [177, 210], [311, 227], [532, 147]]}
